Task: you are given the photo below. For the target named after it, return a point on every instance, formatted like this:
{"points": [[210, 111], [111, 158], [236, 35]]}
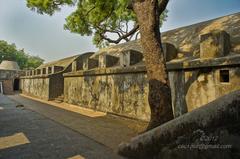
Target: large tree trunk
{"points": [[147, 12]]}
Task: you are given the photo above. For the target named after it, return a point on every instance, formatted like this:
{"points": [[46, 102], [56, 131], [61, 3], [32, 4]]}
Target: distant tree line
{"points": [[24, 60]]}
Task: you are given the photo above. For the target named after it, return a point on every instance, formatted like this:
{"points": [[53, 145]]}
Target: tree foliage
{"points": [[109, 21], [24, 60]]}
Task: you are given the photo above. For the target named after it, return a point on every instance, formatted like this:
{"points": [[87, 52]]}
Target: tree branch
{"points": [[162, 6], [90, 10], [125, 36]]}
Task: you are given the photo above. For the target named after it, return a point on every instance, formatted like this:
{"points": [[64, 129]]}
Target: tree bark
{"points": [[159, 97]]}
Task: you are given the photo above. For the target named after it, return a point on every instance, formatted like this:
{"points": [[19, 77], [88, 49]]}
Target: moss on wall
{"points": [[37, 87], [122, 94]]}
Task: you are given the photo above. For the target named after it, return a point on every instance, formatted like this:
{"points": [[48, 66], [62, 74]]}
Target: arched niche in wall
{"points": [[16, 84]]}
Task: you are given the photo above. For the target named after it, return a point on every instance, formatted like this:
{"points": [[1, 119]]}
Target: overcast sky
{"points": [[44, 35]]}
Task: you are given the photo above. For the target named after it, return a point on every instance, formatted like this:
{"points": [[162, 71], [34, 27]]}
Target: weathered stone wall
{"points": [[8, 74], [45, 87], [109, 90], [124, 91], [114, 79], [200, 81], [7, 78], [46, 82], [207, 86], [193, 88], [37, 87]]}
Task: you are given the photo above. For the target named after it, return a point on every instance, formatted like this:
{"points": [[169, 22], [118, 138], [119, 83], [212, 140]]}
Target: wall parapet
{"points": [[197, 63], [107, 71], [35, 76], [231, 60]]}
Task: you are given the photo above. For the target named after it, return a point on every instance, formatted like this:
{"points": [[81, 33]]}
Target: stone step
{"points": [[59, 99]]}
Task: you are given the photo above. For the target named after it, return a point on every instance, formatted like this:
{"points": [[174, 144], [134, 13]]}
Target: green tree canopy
{"points": [[109, 21], [24, 60]]}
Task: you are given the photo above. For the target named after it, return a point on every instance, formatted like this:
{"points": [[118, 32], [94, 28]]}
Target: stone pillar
{"points": [[28, 73], [53, 70], [130, 57], [214, 44], [170, 52], [38, 71], [85, 65], [49, 70], [74, 66], [125, 59]]}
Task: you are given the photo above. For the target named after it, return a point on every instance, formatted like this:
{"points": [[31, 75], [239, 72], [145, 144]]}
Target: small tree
{"points": [[103, 19]]}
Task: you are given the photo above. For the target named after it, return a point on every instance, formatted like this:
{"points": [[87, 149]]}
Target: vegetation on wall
{"points": [[24, 60]]}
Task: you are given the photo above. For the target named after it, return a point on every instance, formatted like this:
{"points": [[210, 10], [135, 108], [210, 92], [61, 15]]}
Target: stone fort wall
{"points": [[117, 91], [203, 62]]}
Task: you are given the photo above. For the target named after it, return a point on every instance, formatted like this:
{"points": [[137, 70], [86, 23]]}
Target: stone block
{"points": [[57, 69], [214, 44], [170, 52]]}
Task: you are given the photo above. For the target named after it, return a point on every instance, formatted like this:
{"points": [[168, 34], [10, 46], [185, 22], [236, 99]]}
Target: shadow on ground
{"points": [[27, 134]]}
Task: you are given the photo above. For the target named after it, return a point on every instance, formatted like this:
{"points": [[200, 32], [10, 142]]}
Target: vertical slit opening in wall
{"points": [[224, 76]]}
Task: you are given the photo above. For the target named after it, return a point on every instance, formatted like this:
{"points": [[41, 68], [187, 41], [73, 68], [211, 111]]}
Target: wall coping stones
{"points": [[35, 76], [107, 71], [231, 60]]}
